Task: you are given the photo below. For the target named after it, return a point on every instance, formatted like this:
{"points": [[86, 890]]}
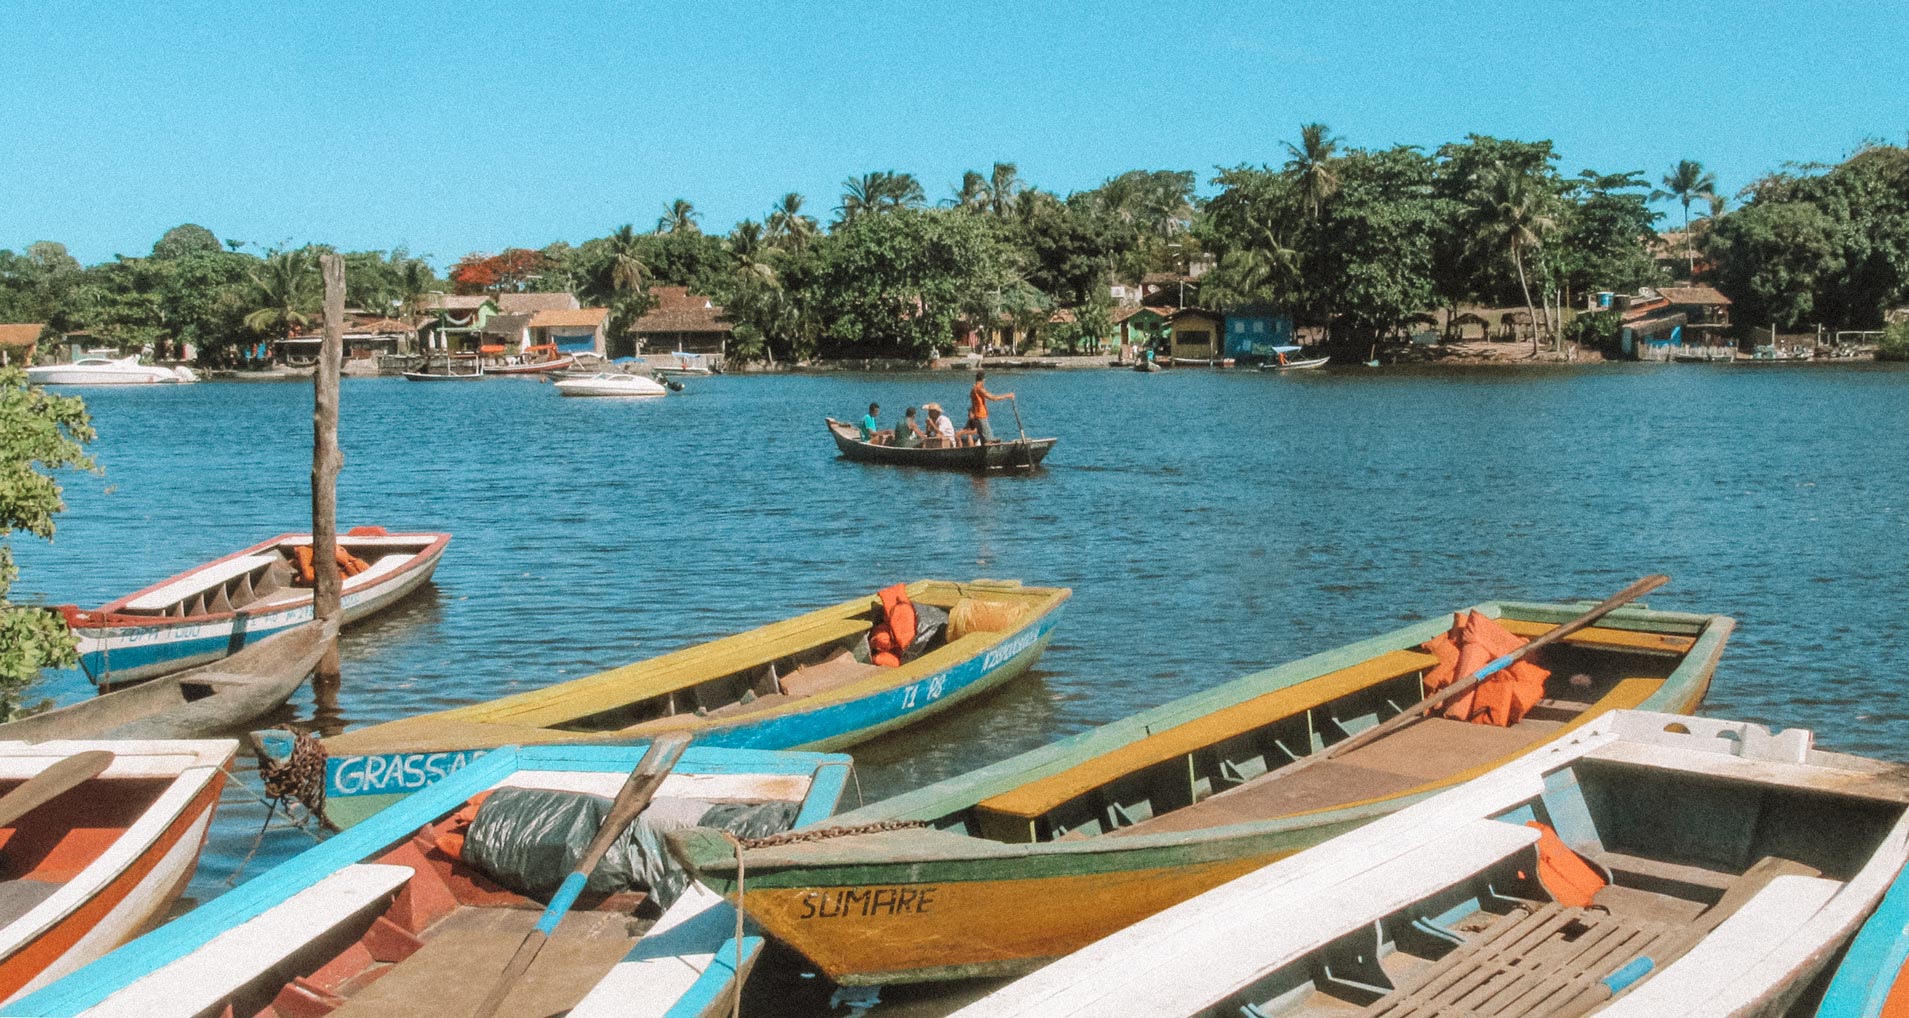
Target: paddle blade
{"points": [[51, 783]]}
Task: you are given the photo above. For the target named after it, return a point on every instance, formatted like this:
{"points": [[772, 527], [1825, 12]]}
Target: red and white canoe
{"points": [[211, 611], [98, 865]]}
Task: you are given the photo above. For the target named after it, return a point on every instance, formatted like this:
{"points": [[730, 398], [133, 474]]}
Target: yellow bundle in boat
{"points": [[972, 616]]}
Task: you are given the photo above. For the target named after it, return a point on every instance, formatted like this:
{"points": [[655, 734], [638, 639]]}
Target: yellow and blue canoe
{"points": [[802, 683]]}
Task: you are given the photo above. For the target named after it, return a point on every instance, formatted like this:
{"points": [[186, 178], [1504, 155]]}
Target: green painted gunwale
{"points": [[935, 856]]}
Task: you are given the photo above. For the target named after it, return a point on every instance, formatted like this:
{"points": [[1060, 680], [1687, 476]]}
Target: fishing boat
{"points": [[537, 360], [993, 457], [105, 856], [1651, 866], [1032, 858], [107, 371], [216, 699], [1284, 361], [417, 911], [802, 683], [433, 376], [213, 610], [1872, 981], [611, 383], [1202, 362]]}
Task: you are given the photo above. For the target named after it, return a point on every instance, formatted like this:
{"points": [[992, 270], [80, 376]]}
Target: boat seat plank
{"points": [[379, 570], [1604, 637], [656, 676], [214, 575], [1440, 747], [1039, 797], [1323, 785], [463, 954], [201, 981]]}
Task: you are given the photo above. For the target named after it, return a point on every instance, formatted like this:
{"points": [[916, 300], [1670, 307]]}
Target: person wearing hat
{"points": [[941, 429]]}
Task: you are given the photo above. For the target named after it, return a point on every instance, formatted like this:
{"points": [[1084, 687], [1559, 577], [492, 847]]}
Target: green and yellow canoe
{"points": [[1039, 855], [802, 683]]}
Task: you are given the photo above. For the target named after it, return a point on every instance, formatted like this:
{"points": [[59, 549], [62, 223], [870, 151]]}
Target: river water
{"points": [[1210, 523]]}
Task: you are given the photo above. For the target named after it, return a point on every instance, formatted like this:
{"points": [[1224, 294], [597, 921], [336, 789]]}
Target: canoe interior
{"points": [[433, 942], [1684, 852], [821, 654], [260, 577], [51, 845], [1211, 769]]}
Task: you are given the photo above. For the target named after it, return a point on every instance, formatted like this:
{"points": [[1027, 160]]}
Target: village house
{"points": [[454, 322], [1255, 330], [17, 343], [682, 322], [1674, 321], [531, 303], [571, 330], [1193, 335]]}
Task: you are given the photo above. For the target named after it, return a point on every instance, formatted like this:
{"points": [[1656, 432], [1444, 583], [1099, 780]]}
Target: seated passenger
{"points": [[872, 432], [908, 434], [941, 429]]}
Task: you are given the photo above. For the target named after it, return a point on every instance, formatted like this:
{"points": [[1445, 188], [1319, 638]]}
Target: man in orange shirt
{"points": [[978, 399]]}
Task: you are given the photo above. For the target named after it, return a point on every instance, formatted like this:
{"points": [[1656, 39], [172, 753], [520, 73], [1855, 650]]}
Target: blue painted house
{"points": [[1255, 330]]}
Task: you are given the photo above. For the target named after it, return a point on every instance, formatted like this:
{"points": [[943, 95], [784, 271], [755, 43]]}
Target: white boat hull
{"points": [[611, 385], [98, 371]]}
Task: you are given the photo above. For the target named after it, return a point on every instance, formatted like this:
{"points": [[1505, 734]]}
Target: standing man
{"points": [[978, 399]]}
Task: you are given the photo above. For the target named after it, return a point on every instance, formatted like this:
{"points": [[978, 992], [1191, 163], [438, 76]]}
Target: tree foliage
{"points": [[40, 434]]}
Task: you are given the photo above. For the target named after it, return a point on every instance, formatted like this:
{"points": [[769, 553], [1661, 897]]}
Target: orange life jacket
{"points": [[898, 624], [1565, 875], [1474, 641]]}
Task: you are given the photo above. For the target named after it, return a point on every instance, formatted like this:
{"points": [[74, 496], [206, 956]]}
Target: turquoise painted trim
{"points": [[93, 983], [1874, 961], [716, 983], [825, 792]]}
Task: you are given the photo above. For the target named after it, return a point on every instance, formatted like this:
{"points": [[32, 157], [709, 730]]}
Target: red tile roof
{"points": [[678, 310], [1693, 295]]}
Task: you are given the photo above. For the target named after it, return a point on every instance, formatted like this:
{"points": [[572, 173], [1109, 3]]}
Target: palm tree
{"points": [[1004, 184], [748, 243], [972, 195], [625, 262], [1688, 182], [787, 226], [285, 292], [679, 216], [1517, 216], [414, 279], [1311, 166], [878, 192]]}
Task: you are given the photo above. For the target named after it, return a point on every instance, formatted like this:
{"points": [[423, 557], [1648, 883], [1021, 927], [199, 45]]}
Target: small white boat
{"points": [[1285, 361], [1649, 865], [94, 867], [105, 371], [611, 383]]}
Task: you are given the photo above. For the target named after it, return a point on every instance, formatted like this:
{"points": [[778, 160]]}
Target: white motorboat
{"points": [[611, 383], [105, 371]]}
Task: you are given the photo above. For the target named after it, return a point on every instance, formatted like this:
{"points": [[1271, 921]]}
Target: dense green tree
{"points": [[40, 434], [1519, 214], [286, 292], [899, 281], [188, 239], [1374, 246], [1601, 244]]}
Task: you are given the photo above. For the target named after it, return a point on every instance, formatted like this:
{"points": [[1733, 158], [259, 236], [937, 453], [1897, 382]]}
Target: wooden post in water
{"points": [[327, 460]]}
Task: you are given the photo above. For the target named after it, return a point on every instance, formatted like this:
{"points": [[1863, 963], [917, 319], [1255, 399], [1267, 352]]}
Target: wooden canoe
{"points": [[1872, 981], [999, 457], [91, 869], [383, 920], [533, 367], [216, 699], [213, 610], [798, 683], [1039, 855], [1730, 866]]}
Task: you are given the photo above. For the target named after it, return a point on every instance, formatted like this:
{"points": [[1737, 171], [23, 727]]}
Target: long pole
{"points": [[327, 460]]}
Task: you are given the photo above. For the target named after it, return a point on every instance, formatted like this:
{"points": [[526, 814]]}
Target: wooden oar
{"points": [[1470, 682], [634, 796], [1027, 452], [51, 783]]}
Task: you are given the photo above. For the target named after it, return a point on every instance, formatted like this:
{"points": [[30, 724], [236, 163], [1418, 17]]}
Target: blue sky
{"points": [[449, 128]]}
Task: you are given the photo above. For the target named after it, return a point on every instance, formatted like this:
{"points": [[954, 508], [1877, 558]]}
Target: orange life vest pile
{"points": [[348, 564], [1475, 641], [896, 632]]}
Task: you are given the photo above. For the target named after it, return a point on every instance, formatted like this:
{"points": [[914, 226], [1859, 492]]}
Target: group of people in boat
{"points": [[935, 429]]}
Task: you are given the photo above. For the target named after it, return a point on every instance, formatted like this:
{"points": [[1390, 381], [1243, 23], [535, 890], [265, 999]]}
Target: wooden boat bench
{"points": [[202, 981], [1557, 961], [1035, 799], [1605, 638]]}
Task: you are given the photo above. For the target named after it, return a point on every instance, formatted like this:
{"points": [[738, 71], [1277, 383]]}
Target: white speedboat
{"points": [[104, 371], [611, 383]]}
